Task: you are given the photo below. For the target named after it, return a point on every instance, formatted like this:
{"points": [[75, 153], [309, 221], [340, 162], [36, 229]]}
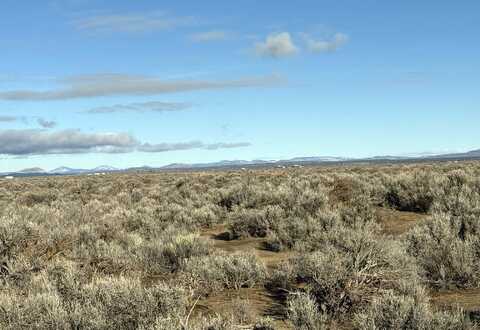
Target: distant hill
{"points": [[469, 154]]}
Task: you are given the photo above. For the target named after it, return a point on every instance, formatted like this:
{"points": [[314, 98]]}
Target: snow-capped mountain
{"points": [[104, 168], [66, 170]]}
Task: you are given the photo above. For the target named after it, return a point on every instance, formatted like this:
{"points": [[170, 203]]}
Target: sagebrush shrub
{"points": [[304, 313], [123, 303], [413, 192], [392, 311], [170, 252], [446, 252], [350, 265], [216, 272], [255, 222]]}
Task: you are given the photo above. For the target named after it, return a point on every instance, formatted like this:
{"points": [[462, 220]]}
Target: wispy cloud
{"points": [[132, 23], [413, 78], [326, 45], [41, 142], [8, 119], [46, 123], [163, 147], [277, 46], [153, 106], [89, 86], [215, 146], [208, 36]]}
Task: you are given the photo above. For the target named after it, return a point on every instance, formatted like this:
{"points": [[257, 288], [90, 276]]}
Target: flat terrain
{"points": [[265, 249]]}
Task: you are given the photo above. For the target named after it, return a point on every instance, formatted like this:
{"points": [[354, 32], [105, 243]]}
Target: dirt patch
{"points": [[468, 300], [220, 240], [398, 222], [260, 301]]}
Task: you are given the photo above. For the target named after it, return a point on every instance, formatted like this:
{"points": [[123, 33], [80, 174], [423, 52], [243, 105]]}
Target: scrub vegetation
{"points": [[333, 247]]}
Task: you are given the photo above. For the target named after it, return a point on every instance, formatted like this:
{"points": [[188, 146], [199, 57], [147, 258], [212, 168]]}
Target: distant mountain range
{"points": [[36, 171], [63, 170], [69, 170]]}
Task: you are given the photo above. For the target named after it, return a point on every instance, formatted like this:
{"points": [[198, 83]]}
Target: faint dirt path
{"points": [[263, 302], [252, 244], [469, 300], [398, 222]]}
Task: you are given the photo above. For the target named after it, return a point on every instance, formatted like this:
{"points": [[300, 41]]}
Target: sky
{"points": [[85, 83]]}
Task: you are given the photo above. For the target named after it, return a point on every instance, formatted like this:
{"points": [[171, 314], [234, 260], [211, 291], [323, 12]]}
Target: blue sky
{"points": [[130, 83]]}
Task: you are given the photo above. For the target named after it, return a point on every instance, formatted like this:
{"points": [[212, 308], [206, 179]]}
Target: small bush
{"points": [[36, 311], [124, 304], [15, 235], [255, 223], [171, 253], [351, 265]]}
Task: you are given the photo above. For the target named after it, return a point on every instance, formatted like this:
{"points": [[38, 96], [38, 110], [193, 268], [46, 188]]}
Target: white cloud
{"points": [[215, 35], [277, 46], [326, 46]]}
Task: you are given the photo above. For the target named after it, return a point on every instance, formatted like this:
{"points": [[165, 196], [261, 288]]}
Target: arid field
{"points": [[337, 247]]}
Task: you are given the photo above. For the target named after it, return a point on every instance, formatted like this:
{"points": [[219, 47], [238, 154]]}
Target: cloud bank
{"points": [[89, 86], [42, 142]]}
